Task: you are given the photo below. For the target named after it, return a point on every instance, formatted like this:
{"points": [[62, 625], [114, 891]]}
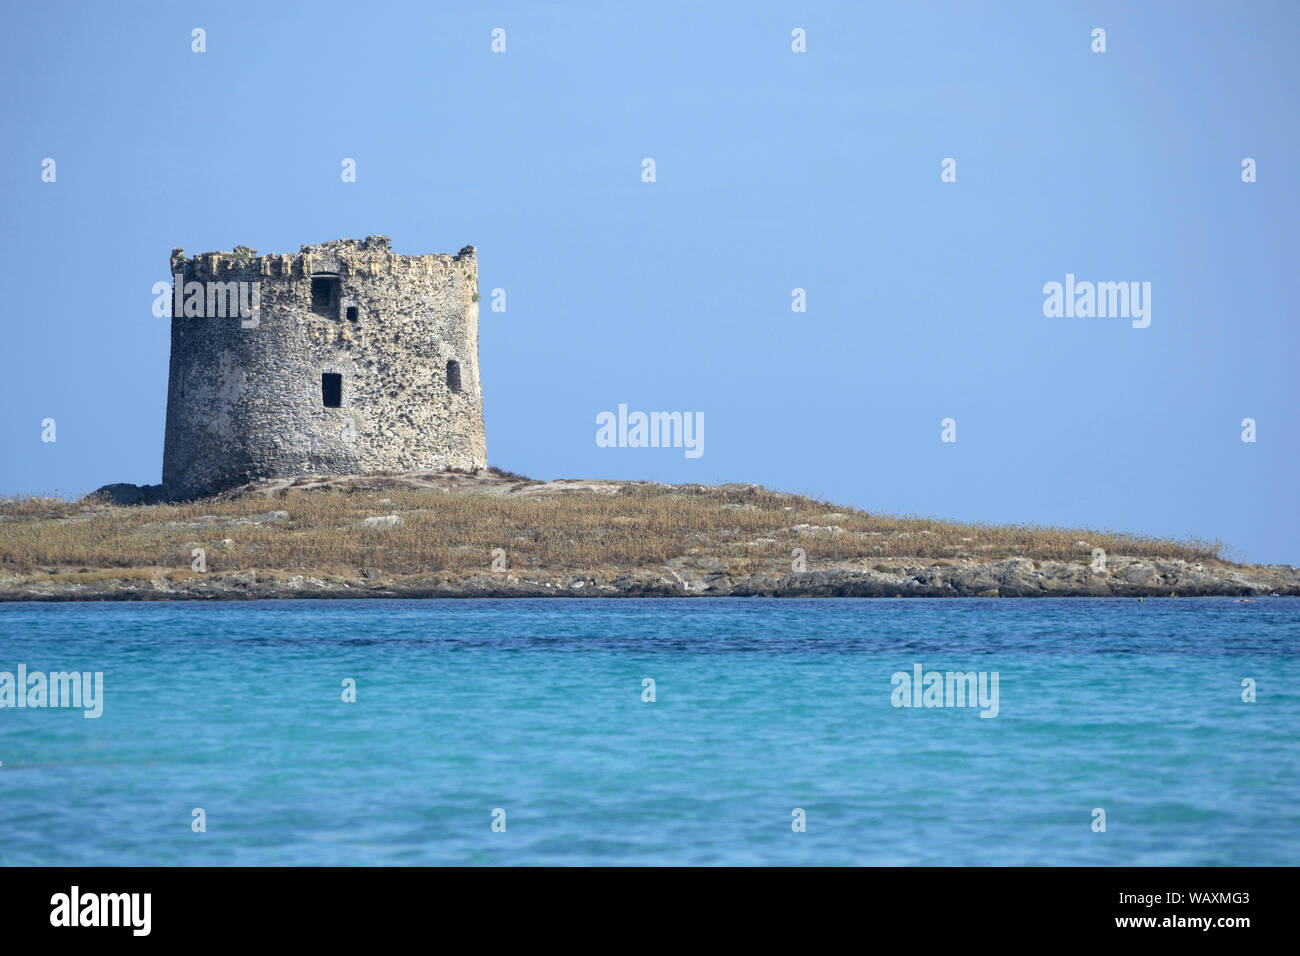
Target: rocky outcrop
{"points": [[124, 493], [1123, 577]]}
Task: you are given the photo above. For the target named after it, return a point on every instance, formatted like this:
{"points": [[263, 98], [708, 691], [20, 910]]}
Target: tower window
{"points": [[325, 295], [331, 389], [453, 375], [352, 313]]}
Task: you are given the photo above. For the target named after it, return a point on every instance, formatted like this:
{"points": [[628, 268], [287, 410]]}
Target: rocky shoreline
{"points": [[1019, 578]]}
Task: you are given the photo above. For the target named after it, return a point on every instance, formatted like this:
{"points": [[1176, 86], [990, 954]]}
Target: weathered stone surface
{"points": [[383, 521], [1049, 580], [125, 493], [245, 403]]}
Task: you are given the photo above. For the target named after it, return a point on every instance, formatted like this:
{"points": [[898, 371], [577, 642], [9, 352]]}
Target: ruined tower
{"points": [[346, 359]]}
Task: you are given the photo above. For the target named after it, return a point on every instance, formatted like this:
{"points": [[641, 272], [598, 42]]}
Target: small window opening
{"points": [[325, 295], [331, 389], [352, 313], [453, 375]]}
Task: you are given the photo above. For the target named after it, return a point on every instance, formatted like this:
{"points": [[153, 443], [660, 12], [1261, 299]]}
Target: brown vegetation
{"points": [[624, 525]]}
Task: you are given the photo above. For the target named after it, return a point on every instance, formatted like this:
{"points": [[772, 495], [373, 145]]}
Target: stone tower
{"points": [[346, 359]]}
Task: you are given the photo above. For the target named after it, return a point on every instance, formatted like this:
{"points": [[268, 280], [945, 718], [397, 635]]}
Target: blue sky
{"points": [[775, 171]]}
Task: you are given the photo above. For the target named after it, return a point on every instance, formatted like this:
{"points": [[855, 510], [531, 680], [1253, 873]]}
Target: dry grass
{"points": [[640, 526]]}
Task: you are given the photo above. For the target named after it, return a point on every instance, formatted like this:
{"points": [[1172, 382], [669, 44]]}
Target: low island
{"points": [[489, 533]]}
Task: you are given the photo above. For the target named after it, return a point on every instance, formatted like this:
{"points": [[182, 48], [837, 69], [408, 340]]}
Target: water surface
{"points": [[762, 706]]}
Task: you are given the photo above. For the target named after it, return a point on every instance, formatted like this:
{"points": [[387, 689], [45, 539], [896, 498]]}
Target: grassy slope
{"points": [[455, 525]]}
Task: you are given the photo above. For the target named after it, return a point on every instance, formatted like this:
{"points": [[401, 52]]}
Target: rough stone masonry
{"points": [[358, 361]]}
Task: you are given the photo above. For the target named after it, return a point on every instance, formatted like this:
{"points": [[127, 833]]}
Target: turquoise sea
{"points": [[762, 708]]}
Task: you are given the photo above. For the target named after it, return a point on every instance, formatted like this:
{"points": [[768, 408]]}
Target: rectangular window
{"points": [[325, 295], [331, 389]]}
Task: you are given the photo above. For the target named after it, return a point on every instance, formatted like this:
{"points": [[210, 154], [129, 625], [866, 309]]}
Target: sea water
{"points": [[615, 731]]}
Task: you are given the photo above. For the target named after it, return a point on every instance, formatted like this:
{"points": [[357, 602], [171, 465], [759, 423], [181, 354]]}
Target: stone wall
{"points": [[247, 402]]}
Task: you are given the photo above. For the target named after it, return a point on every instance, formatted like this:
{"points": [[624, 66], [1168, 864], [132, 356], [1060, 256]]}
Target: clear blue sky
{"points": [[775, 170]]}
